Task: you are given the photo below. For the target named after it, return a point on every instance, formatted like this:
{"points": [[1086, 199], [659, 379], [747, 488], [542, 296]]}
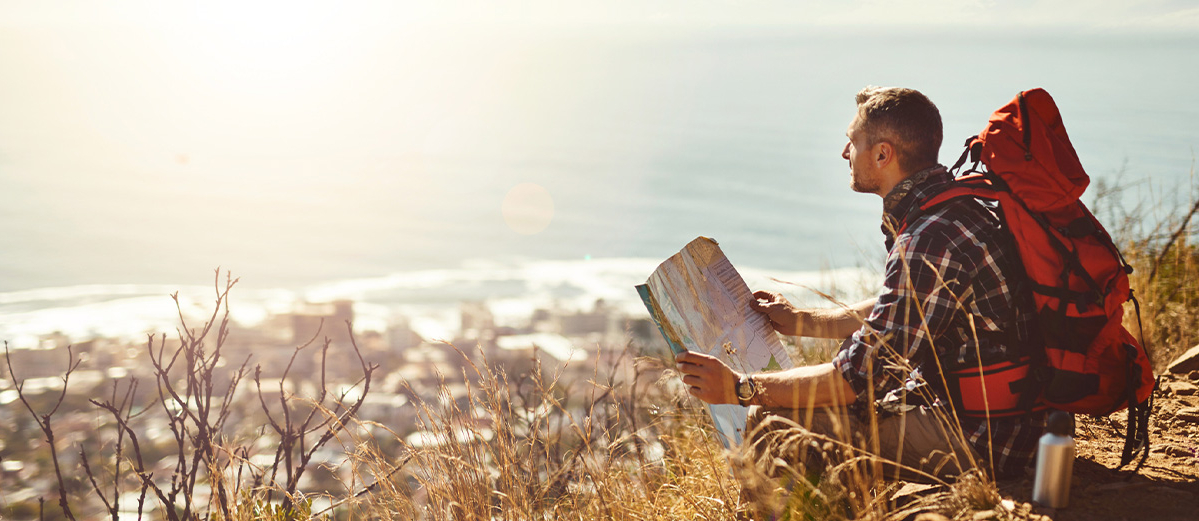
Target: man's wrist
{"points": [[746, 389]]}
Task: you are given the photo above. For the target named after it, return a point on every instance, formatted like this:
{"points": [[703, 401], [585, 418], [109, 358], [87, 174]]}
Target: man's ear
{"points": [[884, 154]]}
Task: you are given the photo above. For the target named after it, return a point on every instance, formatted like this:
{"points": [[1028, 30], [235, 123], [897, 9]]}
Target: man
{"points": [[952, 298]]}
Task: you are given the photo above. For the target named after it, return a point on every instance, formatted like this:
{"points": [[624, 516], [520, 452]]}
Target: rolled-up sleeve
{"points": [[922, 293]]}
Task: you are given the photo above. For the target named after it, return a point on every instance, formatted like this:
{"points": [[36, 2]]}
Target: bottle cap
{"points": [[1060, 423]]}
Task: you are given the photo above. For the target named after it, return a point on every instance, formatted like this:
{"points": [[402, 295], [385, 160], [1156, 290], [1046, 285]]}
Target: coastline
{"points": [[428, 300]]}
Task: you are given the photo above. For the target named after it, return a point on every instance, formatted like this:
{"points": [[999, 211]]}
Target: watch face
{"points": [[744, 390]]}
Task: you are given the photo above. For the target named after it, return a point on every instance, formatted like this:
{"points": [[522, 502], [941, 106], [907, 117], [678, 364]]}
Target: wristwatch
{"points": [[746, 389]]}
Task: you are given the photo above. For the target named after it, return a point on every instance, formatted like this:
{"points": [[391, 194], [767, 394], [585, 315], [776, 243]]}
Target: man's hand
{"points": [[708, 378], [783, 315]]}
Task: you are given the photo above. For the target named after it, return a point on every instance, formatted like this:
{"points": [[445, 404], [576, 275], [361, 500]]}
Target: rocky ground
{"points": [[1165, 488]]}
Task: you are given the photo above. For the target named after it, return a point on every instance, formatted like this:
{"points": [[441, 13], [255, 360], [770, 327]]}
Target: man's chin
{"points": [[862, 189]]}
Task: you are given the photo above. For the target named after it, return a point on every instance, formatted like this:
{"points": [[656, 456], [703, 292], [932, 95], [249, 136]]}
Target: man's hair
{"points": [[906, 119]]}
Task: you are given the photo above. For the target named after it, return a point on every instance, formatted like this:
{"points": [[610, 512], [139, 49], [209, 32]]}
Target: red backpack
{"points": [[1090, 363]]}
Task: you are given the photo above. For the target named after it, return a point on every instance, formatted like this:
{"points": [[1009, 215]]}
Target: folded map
{"points": [[701, 304]]}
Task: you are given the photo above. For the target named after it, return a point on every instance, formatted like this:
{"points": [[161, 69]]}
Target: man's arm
{"points": [[818, 323], [710, 380], [819, 385]]}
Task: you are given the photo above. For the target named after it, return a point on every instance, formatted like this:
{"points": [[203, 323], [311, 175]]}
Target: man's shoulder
{"points": [[958, 227], [954, 216]]}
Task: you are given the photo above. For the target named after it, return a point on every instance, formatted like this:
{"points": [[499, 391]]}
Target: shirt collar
{"points": [[908, 193]]}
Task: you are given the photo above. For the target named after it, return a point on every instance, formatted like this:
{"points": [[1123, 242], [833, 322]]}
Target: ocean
{"points": [[415, 171]]}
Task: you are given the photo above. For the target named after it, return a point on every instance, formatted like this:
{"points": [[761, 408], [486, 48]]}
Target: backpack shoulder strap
{"points": [[978, 185]]}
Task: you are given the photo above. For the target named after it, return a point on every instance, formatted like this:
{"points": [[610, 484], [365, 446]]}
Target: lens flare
{"points": [[528, 208]]}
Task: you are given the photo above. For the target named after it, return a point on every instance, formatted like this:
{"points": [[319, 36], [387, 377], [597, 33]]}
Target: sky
{"points": [[1136, 15]]}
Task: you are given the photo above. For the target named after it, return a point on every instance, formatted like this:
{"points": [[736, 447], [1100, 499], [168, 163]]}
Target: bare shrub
{"points": [[210, 473]]}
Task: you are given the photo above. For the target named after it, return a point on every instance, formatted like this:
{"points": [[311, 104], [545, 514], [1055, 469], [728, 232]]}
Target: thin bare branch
{"points": [[1182, 226], [44, 421]]}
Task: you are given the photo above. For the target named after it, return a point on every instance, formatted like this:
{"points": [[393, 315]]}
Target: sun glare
{"points": [[261, 48]]}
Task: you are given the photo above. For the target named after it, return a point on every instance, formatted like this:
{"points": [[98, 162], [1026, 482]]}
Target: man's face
{"points": [[864, 176]]}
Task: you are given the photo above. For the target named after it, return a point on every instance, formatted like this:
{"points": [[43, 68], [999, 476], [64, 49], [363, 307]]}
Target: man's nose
{"points": [[845, 152]]}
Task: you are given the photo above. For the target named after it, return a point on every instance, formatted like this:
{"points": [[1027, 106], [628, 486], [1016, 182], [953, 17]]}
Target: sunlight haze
{"points": [[301, 143]]}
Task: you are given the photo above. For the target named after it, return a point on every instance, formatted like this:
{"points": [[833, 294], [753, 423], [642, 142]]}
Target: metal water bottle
{"points": [[1055, 462]]}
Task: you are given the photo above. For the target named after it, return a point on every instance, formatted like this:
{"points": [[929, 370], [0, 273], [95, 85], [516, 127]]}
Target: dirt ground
{"points": [[1165, 488]]}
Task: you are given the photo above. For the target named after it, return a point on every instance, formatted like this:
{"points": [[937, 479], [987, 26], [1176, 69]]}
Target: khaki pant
{"points": [[918, 445]]}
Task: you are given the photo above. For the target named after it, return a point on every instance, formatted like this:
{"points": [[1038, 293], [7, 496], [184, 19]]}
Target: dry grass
{"points": [[637, 450], [1166, 283], [533, 449]]}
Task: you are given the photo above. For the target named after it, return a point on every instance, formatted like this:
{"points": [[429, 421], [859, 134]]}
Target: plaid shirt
{"points": [[947, 300]]}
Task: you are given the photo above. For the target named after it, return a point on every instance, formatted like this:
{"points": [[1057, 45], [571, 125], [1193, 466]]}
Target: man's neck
{"points": [[893, 178], [905, 185]]}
